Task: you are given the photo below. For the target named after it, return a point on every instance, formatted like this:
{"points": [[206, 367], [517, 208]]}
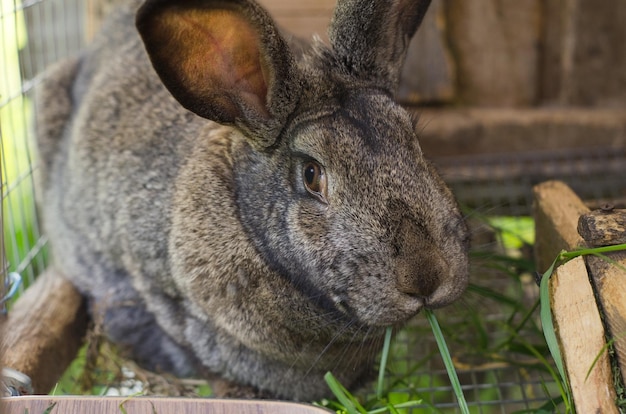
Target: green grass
{"points": [[385, 400], [513, 232], [447, 360]]}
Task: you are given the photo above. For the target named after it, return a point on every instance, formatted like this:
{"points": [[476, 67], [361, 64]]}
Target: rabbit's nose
{"points": [[420, 267]]}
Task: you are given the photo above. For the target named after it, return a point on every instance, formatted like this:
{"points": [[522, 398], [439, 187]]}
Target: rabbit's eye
{"points": [[315, 180]]}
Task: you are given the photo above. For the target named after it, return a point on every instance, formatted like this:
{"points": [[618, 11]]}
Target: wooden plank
{"points": [[490, 38], [302, 18], [305, 26], [583, 61], [608, 279], [556, 212], [603, 227], [581, 336], [143, 405], [44, 330], [285, 7], [429, 72], [463, 131]]}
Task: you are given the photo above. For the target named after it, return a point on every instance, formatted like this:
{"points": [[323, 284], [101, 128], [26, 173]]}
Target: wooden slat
{"points": [[282, 7], [302, 18], [609, 280], [44, 330], [604, 227], [143, 405], [304, 26], [556, 211], [581, 336], [607, 227]]}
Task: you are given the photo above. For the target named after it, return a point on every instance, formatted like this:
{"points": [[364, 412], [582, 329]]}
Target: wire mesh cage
{"points": [[36, 33], [503, 183]]}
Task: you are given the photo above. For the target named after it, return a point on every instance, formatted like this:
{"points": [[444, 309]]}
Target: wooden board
{"points": [[576, 316], [607, 227], [609, 280], [44, 330], [603, 227], [144, 405], [581, 335], [556, 212]]}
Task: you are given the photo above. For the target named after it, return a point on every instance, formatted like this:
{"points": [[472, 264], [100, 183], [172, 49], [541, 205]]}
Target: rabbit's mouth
{"points": [[388, 309]]}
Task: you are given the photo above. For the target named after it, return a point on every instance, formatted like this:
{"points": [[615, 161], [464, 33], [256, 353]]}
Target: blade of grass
{"points": [[610, 261], [383, 363], [492, 294], [565, 255], [343, 396], [447, 360], [547, 408], [130, 397], [515, 330], [565, 394], [408, 404], [548, 327], [50, 408], [391, 408], [604, 349], [348, 403]]}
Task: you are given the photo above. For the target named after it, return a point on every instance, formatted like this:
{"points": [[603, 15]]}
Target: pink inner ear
{"points": [[216, 52]]}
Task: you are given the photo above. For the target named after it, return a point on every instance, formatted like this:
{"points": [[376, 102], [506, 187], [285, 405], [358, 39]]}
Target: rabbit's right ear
{"points": [[224, 61], [371, 37]]}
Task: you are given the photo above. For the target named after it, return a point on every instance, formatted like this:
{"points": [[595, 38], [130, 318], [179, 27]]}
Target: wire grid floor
{"points": [[500, 390], [489, 386]]}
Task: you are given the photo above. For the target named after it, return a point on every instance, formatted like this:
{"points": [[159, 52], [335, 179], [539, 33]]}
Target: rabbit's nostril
{"points": [[417, 277]]}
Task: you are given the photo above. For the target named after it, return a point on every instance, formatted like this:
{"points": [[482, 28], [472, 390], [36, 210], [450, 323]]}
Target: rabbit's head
{"points": [[330, 183]]}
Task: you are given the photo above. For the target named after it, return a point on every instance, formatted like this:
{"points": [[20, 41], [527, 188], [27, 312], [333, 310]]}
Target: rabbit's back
{"points": [[102, 148], [107, 181]]}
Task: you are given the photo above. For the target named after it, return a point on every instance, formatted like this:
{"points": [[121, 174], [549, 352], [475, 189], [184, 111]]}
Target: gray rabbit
{"points": [[236, 206]]}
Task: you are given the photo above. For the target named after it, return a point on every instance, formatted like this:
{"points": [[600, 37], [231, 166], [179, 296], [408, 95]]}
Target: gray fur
{"points": [[196, 242]]}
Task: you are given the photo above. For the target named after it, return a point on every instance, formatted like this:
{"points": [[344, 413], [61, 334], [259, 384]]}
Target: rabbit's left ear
{"points": [[224, 61], [371, 37]]}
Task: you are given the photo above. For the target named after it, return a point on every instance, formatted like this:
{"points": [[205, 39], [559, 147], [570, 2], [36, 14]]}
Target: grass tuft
{"points": [[447, 360]]}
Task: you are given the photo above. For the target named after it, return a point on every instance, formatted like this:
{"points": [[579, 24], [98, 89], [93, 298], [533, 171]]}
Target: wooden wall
{"points": [[494, 53]]}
